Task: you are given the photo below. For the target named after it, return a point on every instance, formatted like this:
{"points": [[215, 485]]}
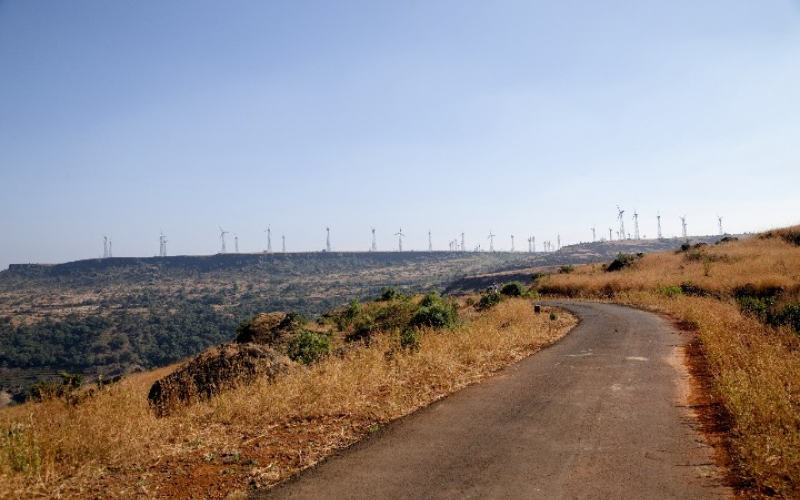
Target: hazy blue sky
{"points": [[521, 117]]}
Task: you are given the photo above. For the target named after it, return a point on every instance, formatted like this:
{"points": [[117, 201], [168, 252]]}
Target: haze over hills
{"points": [[111, 316]]}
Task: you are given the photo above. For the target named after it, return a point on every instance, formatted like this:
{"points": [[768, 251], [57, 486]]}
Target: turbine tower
{"points": [[683, 226], [558, 245], [512, 242], [719, 220], [610, 235], [635, 225], [105, 246], [463, 246], [430, 241], [491, 241], [659, 226], [110, 248], [269, 239], [283, 243], [594, 234], [328, 239], [621, 223], [162, 245], [236, 242], [533, 243], [374, 247], [400, 235], [222, 234]]}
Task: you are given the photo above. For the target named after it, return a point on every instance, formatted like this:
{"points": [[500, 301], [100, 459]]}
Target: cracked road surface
{"points": [[601, 414]]}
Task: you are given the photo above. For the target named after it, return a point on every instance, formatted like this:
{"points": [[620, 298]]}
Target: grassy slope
{"points": [[755, 367], [112, 446]]}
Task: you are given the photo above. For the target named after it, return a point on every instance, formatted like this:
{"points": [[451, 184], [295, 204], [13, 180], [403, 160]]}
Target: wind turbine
{"points": [[105, 246], [374, 247], [236, 242], [430, 241], [110, 248], [635, 225], [400, 235], [594, 234], [283, 243], [491, 241], [719, 219], [162, 245], [328, 239], [621, 223], [659, 225], [512, 242], [269, 239], [222, 234], [683, 226]]}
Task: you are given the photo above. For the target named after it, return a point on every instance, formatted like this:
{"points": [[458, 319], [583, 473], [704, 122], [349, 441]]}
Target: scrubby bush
{"points": [[68, 383], [622, 261], [513, 289], [670, 291], [489, 300], [788, 315], [388, 293], [363, 327], [409, 339], [308, 347], [439, 314], [348, 315], [689, 288], [430, 299], [566, 269], [756, 306]]}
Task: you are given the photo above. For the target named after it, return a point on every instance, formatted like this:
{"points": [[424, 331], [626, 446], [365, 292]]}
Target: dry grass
{"points": [[112, 446], [756, 368]]}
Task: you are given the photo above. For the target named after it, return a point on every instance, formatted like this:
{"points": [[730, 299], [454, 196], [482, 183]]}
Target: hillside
{"points": [[117, 315]]}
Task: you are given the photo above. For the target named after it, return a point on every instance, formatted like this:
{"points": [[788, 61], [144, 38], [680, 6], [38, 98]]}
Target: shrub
{"points": [[566, 269], [308, 347], [622, 261], [758, 307], [362, 328], [513, 289], [409, 339], [670, 291], [788, 315], [349, 315], [689, 288], [489, 300], [439, 314], [388, 293], [430, 299], [53, 389], [553, 316]]}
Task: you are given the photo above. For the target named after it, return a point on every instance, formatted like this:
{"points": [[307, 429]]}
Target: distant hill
{"points": [[111, 316]]}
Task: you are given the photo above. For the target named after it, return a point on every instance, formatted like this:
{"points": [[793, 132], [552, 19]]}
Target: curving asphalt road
{"points": [[600, 415]]}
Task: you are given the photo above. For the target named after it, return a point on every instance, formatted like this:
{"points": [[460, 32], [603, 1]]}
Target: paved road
{"points": [[598, 415]]}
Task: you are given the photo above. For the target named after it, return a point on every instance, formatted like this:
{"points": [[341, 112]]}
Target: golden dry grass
{"points": [[756, 368], [113, 447]]}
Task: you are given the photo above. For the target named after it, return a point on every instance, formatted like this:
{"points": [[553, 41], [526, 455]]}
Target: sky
{"points": [[526, 118]]}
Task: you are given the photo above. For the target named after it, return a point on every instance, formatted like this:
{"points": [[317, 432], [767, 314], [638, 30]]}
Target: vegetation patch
{"points": [[623, 260], [489, 300], [513, 289]]}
